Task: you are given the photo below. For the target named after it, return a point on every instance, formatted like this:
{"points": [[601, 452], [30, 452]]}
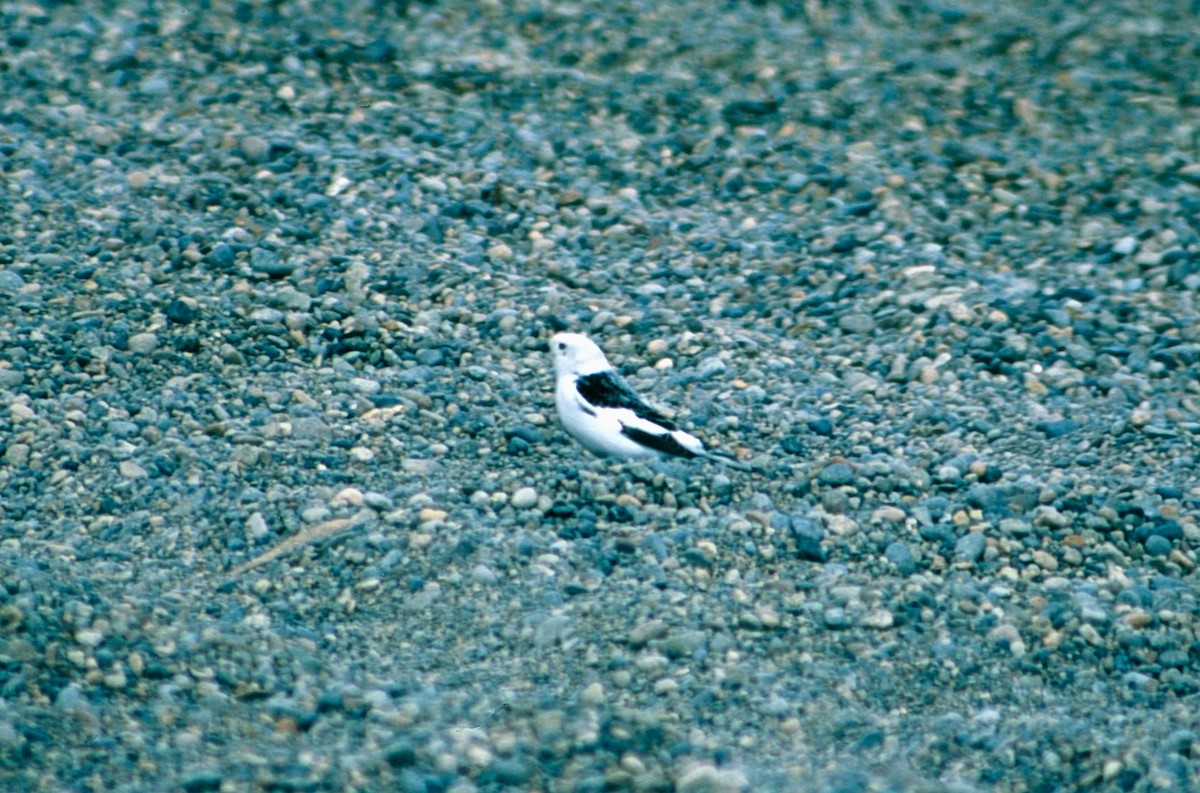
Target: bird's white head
{"points": [[576, 354]]}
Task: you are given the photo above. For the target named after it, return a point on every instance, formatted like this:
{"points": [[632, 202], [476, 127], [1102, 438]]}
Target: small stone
{"points": [[482, 574], [1140, 416], [524, 498], [348, 496], [808, 537], [592, 695], [841, 525], [822, 426], [792, 445], [857, 323], [901, 557], [202, 782], [1138, 619], [836, 474], [969, 547], [293, 300], [879, 619], [1090, 634], [1057, 428], [646, 632], [377, 501], [143, 343], [131, 470], [256, 527], [180, 312], [254, 148], [1015, 526], [1007, 634], [1125, 246], [500, 251], [835, 618], [1158, 545], [1046, 515], [230, 355], [17, 454], [706, 778], [888, 514], [311, 427], [221, 256], [88, 637], [710, 367], [10, 281], [269, 263], [1045, 560]]}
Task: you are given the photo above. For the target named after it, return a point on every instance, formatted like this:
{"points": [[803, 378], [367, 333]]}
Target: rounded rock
{"points": [[524, 498], [143, 343]]}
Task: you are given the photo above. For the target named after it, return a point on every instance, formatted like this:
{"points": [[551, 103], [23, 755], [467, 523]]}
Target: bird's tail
{"points": [[724, 458]]}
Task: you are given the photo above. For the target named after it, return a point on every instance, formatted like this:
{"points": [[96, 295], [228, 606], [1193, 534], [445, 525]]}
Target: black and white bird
{"points": [[599, 409]]}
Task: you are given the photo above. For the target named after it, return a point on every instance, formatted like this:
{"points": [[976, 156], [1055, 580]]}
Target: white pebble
{"points": [[131, 470], [143, 342], [1125, 246], [525, 498], [256, 526], [365, 385], [88, 637]]}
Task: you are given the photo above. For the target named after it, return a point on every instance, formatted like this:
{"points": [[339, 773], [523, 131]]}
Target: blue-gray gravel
{"points": [[283, 503]]}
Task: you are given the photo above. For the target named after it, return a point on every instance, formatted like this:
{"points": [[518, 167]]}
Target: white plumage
{"points": [[599, 409]]}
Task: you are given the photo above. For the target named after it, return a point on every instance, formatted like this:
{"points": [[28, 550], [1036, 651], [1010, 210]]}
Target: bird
{"points": [[601, 411]]}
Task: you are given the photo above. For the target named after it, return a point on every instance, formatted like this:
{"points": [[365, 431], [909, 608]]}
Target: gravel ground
{"points": [[283, 501]]}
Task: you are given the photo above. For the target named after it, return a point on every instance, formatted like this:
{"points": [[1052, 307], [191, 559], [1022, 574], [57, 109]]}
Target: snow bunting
{"points": [[599, 409]]}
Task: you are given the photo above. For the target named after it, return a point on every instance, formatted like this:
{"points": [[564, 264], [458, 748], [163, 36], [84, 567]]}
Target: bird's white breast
{"points": [[599, 430]]}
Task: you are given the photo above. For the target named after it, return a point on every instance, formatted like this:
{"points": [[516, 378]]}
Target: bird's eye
{"points": [[562, 345]]}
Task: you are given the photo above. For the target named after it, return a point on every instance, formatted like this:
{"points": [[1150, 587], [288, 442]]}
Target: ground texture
{"points": [[283, 501]]}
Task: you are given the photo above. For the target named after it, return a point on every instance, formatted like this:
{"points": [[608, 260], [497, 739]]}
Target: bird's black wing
{"points": [[664, 443], [607, 390]]}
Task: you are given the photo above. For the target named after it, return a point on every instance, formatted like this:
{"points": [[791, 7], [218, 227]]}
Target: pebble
{"points": [[10, 281], [143, 343], [888, 514], [901, 557], [1045, 560], [877, 619], [706, 778], [1157, 545], [131, 470], [432, 514], [89, 638], [254, 148], [270, 263], [710, 367], [181, 312], [524, 498], [592, 695], [256, 527], [969, 547], [1125, 246], [836, 475], [861, 324]]}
